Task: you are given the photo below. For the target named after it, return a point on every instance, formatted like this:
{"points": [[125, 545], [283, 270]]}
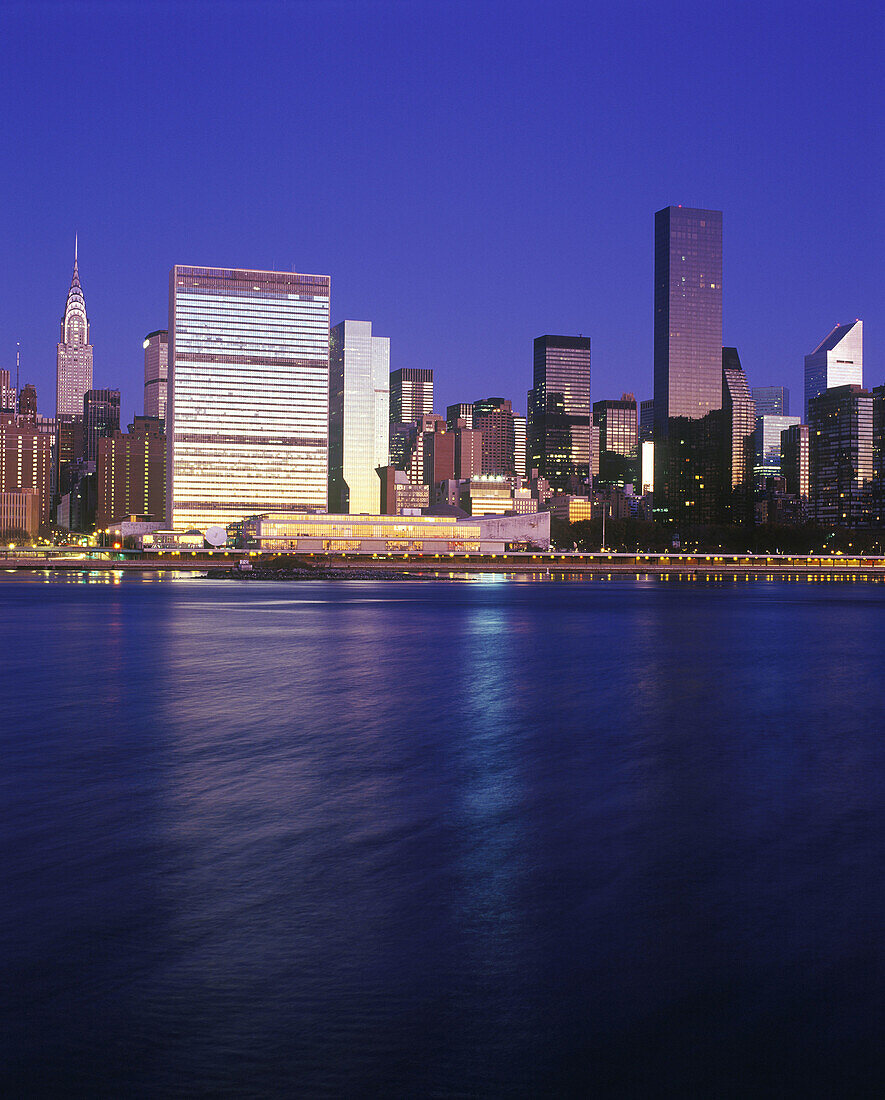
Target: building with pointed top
{"points": [[74, 362], [836, 361]]}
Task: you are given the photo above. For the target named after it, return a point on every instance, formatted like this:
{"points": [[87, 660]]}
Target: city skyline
{"points": [[141, 401], [394, 228]]}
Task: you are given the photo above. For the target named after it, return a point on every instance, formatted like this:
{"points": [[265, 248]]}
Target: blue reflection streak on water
{"points": [[452, 838]]}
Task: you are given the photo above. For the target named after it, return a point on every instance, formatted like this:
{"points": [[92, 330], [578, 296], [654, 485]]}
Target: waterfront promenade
{"points": [[538, 564]]}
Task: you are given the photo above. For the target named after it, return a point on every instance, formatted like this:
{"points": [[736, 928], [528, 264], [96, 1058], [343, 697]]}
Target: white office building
{"points": [[248, 394], [836, 361], [359, 416]]}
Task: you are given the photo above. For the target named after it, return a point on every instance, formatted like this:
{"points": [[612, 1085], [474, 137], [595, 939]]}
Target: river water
{"points": [[477, 838]]}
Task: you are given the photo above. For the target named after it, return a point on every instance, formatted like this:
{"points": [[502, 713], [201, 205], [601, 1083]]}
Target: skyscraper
{"points": [[519, 444], [411, 394], [493, 416], [738, 418], [101, 418], [248, 396], [359, 379], [27, 402], [131, 473], [772, 400], [618, 439], [559, 413], [878, 517], [767, 445], [462, 411], [7, 393], [794, 459], [74, 356], [836, 361], [156, 371], [647, 419], [840, 433], [687, 360]]}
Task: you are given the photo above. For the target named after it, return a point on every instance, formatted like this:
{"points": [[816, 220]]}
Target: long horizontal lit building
{"points": [[288, 531], [248, 394]]}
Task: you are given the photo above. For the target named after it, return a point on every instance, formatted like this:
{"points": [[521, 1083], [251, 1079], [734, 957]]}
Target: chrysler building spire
{"points": [[74, 361]]}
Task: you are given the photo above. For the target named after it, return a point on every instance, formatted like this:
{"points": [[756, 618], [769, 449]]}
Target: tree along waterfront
{"points": [[633, 535]]}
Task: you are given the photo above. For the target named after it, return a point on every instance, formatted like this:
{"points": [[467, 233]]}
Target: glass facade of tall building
{"points": [[878, 394], [101, 418], [156, 370], [248, 395], [794, 460], [647, 419], [836, 361], [461, 411], [767, 445], [618, 440], [771, 400], [738, 418], [411, 394], [687, 361], [519, 444], [840, 433], [559, 411], [74, 352], [359, 380]]}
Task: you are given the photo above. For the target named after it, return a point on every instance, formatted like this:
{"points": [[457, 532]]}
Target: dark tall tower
{"points": [[771, 400], [618, 439], [687, 355], [559, 412], [411, 394], [27, 402], [840, 433], [101, 418]]}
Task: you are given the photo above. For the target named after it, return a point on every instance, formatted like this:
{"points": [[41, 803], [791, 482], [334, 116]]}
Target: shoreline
{"points": [[813, 570]]}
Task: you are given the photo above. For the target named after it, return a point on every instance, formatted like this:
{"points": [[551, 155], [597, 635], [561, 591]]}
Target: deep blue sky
{"points": [[470, 174]]}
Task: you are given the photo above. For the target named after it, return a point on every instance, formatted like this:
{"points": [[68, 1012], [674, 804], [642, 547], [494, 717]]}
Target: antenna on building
{"points": [[18, 359]]}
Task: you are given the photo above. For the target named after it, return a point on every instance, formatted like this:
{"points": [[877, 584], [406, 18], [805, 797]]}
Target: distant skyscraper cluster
{"points": [[255, 406]]}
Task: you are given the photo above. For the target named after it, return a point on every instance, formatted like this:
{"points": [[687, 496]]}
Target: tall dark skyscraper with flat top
{"points": [[687, 355], [559, 412]]}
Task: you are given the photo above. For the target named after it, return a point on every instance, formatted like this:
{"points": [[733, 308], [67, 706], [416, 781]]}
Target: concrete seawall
{"points": [[528, 565]]}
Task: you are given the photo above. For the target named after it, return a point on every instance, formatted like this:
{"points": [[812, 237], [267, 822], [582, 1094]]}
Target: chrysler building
{"points": [[74, 363]]}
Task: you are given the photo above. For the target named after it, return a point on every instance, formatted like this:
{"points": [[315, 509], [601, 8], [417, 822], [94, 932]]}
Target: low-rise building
{"points": [[569, 509], [495, 495], [20, 511], [530, 531], [398, 494], [134, 529], [302, 532], [173, 540]]}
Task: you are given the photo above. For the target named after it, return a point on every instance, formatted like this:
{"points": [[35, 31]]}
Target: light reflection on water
{"points": [[483, 839]]}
